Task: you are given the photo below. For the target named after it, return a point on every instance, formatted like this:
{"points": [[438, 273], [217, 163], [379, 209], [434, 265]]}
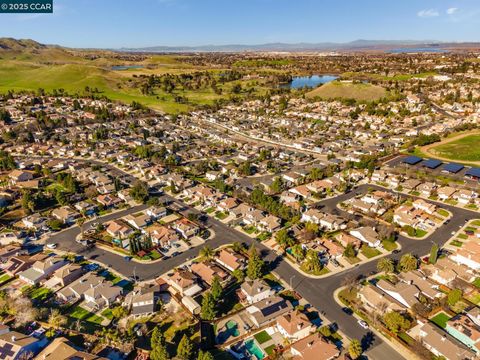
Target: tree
{"points": [[349, 251], [139, 191], [206, 252], [395, 322], [355, 349], [208, 311], [56, 319], [255, 264], [298, 252], [157, 342], [239, 275], [284, 239], [28, 202], [325, 331], [216, 288], [454, 296], [312, 262], [157, 338], [204, 355], [277, 185], [385, 265], [185, 348], [119, 312], [433, 254], [408, 262], [159, 353]]}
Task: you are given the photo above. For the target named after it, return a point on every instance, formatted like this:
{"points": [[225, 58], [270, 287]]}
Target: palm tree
{"points": [[207, 252], [385, 265], [408, 262]]}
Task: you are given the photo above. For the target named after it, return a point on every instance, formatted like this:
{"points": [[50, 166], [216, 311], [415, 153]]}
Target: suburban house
{"points": [[314, 347], [255, 290], [294, 325], [405, 294], [465, 330], [40, 270], [231, 260], [65, 214], [185, 228], [62, 349], [102, 295], [268, 309], [15, 345], [143, 300], [468, 255], [367, 235], [64, 276], [77, 289], [184, 283], [118, 229], [442, 344], [207, 271], [373, 298]]}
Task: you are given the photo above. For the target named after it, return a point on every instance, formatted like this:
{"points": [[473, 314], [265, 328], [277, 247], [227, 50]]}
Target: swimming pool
{"points": [[253, 349], [231, 329]]}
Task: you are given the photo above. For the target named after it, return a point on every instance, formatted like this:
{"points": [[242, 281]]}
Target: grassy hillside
{"points": [[344, 90], [27, 65]]}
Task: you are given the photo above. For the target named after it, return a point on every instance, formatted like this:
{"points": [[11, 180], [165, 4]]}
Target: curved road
{"points": [[318, 292]]}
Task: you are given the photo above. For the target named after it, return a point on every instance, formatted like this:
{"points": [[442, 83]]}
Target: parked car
{"points": [[363, 324], [52, 246]]}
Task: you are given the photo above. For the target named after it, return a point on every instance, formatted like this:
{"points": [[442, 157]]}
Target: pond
{"points": [[312, 81], [126, 67], [417, 50]]}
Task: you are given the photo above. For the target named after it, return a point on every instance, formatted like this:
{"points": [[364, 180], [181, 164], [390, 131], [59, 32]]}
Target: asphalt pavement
{"points": [[318, 292]]}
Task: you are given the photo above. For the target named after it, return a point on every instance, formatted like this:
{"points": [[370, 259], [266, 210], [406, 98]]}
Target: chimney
{"points": [[299, 327]]}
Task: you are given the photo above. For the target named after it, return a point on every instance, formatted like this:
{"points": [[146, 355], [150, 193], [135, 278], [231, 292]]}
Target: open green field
{"points": [[345, 90], [34, 67], [466, 148]]}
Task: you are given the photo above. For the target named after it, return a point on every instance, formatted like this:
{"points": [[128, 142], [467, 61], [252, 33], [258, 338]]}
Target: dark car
{"points": [[396, 251], [347, 310]]}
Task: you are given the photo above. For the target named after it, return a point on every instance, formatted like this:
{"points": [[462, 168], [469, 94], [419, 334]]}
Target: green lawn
{"points": [[389, 245], [79, 313], [107, 313], [262, 337], [269, 350], [369, 252], [440, 319], [476, 222], [463, 149], [37, 293], [4, 278], [456, 243], [476, 283], [442, 212]]}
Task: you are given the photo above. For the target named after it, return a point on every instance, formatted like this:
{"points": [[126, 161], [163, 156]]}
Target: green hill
{"points": [[347, 90]]}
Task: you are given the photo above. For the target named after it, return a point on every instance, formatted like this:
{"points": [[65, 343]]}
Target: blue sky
{"points": [[138, 23]]}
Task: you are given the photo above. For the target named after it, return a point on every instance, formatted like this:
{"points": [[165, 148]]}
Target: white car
{"points": [[52, 246], [363, 324]]}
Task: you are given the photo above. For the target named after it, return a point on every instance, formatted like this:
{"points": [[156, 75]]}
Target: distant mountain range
{"points": [[324, 46], [21, 45]]}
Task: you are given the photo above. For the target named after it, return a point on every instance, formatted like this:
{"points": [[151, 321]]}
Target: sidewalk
{"points": [[406, 353]]}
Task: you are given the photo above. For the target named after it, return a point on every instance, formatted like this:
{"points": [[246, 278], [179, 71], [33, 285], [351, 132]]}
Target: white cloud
{"points": [[427, 13], [452, 10]]}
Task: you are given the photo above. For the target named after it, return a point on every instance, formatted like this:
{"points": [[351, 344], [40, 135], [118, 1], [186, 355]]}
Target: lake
{"points": [[126, 67], [417, 50], [313, 81]]}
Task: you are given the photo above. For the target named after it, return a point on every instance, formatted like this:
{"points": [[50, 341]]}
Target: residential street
{"points": [[319, 292]]}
